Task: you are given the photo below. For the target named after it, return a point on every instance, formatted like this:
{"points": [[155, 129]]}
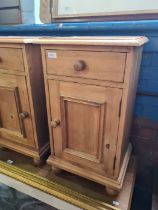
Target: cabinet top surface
{"points": [[79, 40]]}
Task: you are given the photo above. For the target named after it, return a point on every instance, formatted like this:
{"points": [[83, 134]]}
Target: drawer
{"points": [[87, 64], [11, 59]]}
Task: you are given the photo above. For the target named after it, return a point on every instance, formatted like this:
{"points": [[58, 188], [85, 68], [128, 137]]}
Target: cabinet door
{"points": [[84, 120], [15, 119]]}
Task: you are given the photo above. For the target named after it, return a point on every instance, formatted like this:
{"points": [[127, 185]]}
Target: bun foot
{"points": [[111, 191], [38, 162], [56, 170]]}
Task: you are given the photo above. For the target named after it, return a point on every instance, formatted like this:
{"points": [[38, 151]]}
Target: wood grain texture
{"points": [[93, 61], [11, 59], [86, 112], [22, 100], [93, 175], [94, 41], [128, 100], [92, 136], [21, 104], [35, 80], [9, 114]]}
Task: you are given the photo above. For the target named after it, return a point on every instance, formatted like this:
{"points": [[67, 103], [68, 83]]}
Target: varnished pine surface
{"points": [[102, 40]]}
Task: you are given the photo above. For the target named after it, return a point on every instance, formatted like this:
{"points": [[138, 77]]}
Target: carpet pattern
{"points": [[11, 199]]}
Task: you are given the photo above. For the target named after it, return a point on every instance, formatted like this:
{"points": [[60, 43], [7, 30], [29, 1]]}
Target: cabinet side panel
{"points": [[128, 100], [35, 73]]}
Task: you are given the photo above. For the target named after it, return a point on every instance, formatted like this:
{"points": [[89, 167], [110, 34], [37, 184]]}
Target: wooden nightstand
{"points": [[90, 87], [23, 120]]}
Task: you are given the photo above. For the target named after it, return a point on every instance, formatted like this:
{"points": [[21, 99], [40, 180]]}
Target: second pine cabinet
{"points": [[23, 118]]}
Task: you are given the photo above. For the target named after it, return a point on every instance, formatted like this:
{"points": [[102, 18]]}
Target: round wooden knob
{"points": [[23, 115], [79, 65], [55, 123]]}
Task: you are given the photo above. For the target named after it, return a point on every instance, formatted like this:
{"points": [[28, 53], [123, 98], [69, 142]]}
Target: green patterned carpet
{"points": [[11, 199]]}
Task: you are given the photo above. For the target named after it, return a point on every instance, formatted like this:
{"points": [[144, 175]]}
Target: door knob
{"points": [[79, 65], [55, 123], [23, 115]]}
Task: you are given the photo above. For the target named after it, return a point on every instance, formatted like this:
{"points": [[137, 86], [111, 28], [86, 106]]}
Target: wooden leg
{"points": [[38, 162], [56, 170], [111, 191]]}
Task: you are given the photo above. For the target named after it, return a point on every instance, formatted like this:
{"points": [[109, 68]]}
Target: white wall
{"points": [[37, 11], [95, 6]]}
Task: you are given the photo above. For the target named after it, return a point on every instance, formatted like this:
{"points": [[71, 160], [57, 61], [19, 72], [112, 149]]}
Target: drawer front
{"points": [[87, 64], [11, 59]]}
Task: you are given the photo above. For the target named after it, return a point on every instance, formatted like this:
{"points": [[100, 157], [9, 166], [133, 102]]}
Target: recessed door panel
{"points": [[84, 113], [81, 123], [9, 115]]}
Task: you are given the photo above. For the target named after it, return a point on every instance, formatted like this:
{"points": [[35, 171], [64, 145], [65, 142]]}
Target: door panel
{"points": [[78, 114], [86, 114], [15, 118], [9, 114]]}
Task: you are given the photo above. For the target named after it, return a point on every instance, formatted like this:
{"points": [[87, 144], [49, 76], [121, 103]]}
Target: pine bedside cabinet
{"points": [[23, 118], [90, 85]]}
